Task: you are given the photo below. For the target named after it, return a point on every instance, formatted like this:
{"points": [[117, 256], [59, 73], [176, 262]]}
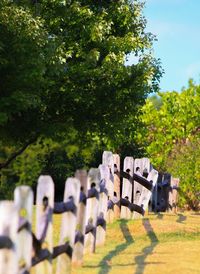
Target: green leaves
{"points": [[63, 70], [171, 137]]}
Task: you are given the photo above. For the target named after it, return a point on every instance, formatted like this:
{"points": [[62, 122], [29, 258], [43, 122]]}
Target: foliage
{"points": [[64, 78], [184, 163], [22, 67], [175, 122], [171, 137], [90, 42]]}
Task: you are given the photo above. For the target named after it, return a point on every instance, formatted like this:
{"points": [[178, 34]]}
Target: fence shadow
{"points": [[105, 262], [181, 218], [159, 215], [140, 259]]}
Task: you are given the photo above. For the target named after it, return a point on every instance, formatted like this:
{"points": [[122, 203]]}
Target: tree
{"points": [[66, 68], [175, 122], [23, 59], [184, 163], [171, 137]]}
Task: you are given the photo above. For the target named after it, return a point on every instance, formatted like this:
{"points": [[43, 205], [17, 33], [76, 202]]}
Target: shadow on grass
{"points": [[181, 218], [159, 215], [140, 259], [105, 262]]}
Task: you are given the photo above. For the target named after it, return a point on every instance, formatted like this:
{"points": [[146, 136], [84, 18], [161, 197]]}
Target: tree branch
{"points": [[17, 153]]}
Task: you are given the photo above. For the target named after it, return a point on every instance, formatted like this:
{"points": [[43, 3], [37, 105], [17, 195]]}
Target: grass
{"points": [[159, 243], [162, 243]]}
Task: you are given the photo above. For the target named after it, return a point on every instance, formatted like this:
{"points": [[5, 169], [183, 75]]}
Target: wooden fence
{"points": [[91, 200]]}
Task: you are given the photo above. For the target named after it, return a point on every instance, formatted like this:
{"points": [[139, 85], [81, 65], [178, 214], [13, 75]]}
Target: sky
{"points": [[176, 24]]}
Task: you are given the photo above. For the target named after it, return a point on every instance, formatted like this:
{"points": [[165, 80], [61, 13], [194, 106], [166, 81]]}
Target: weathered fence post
{"points": [[127, 187], [68, 226], [116, 159], [8, 237], [103, 206], [141, 168], [173, 194], [108, 160], [92, 210], [23, 198], [44, 225], [137, 188], [146, 193], [77, 257]]}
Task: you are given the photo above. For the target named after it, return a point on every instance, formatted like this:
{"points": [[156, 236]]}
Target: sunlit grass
{"points": [[163, 243], [159, 243]]}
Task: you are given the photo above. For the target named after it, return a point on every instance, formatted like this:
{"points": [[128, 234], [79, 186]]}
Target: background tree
{"points": [[171, 137]]}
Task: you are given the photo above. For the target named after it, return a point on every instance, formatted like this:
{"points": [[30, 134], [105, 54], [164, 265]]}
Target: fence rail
{"points": [[91, 200]]}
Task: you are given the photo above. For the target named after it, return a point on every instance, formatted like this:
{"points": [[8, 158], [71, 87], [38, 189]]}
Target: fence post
{"points": [[92, 210], [127, 187], [103, 206], [68, 225], [77, 257], [44, 224], [173, 194], [8, 237], [146, 194], [23, 199], [144, 168], [108, 160], [116, 159]]}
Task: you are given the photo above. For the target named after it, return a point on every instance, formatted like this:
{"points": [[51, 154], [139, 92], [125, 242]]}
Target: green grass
{"points": [[159, 243], [163, 243]]}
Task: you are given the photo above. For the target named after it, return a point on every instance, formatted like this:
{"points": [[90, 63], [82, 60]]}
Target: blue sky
{"points": [[176, 23]]}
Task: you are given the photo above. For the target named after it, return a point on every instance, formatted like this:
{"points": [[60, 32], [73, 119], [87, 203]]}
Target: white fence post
{"points": [[8, 237], [146, 194], [77, 257], [44, 223], [68, 226], [92, 210], [173, 194], [23, 198], [127, 187], [108, 160], [103, 206], [116, 159]]}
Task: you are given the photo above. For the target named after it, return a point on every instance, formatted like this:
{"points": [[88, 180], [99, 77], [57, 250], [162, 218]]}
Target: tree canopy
{"points": [[64, 74]]}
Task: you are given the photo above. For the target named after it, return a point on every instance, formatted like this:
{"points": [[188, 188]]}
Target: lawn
{"points": [[159, 243]]}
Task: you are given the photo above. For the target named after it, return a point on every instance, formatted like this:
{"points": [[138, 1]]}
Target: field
{"points": [[159, 243]]}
